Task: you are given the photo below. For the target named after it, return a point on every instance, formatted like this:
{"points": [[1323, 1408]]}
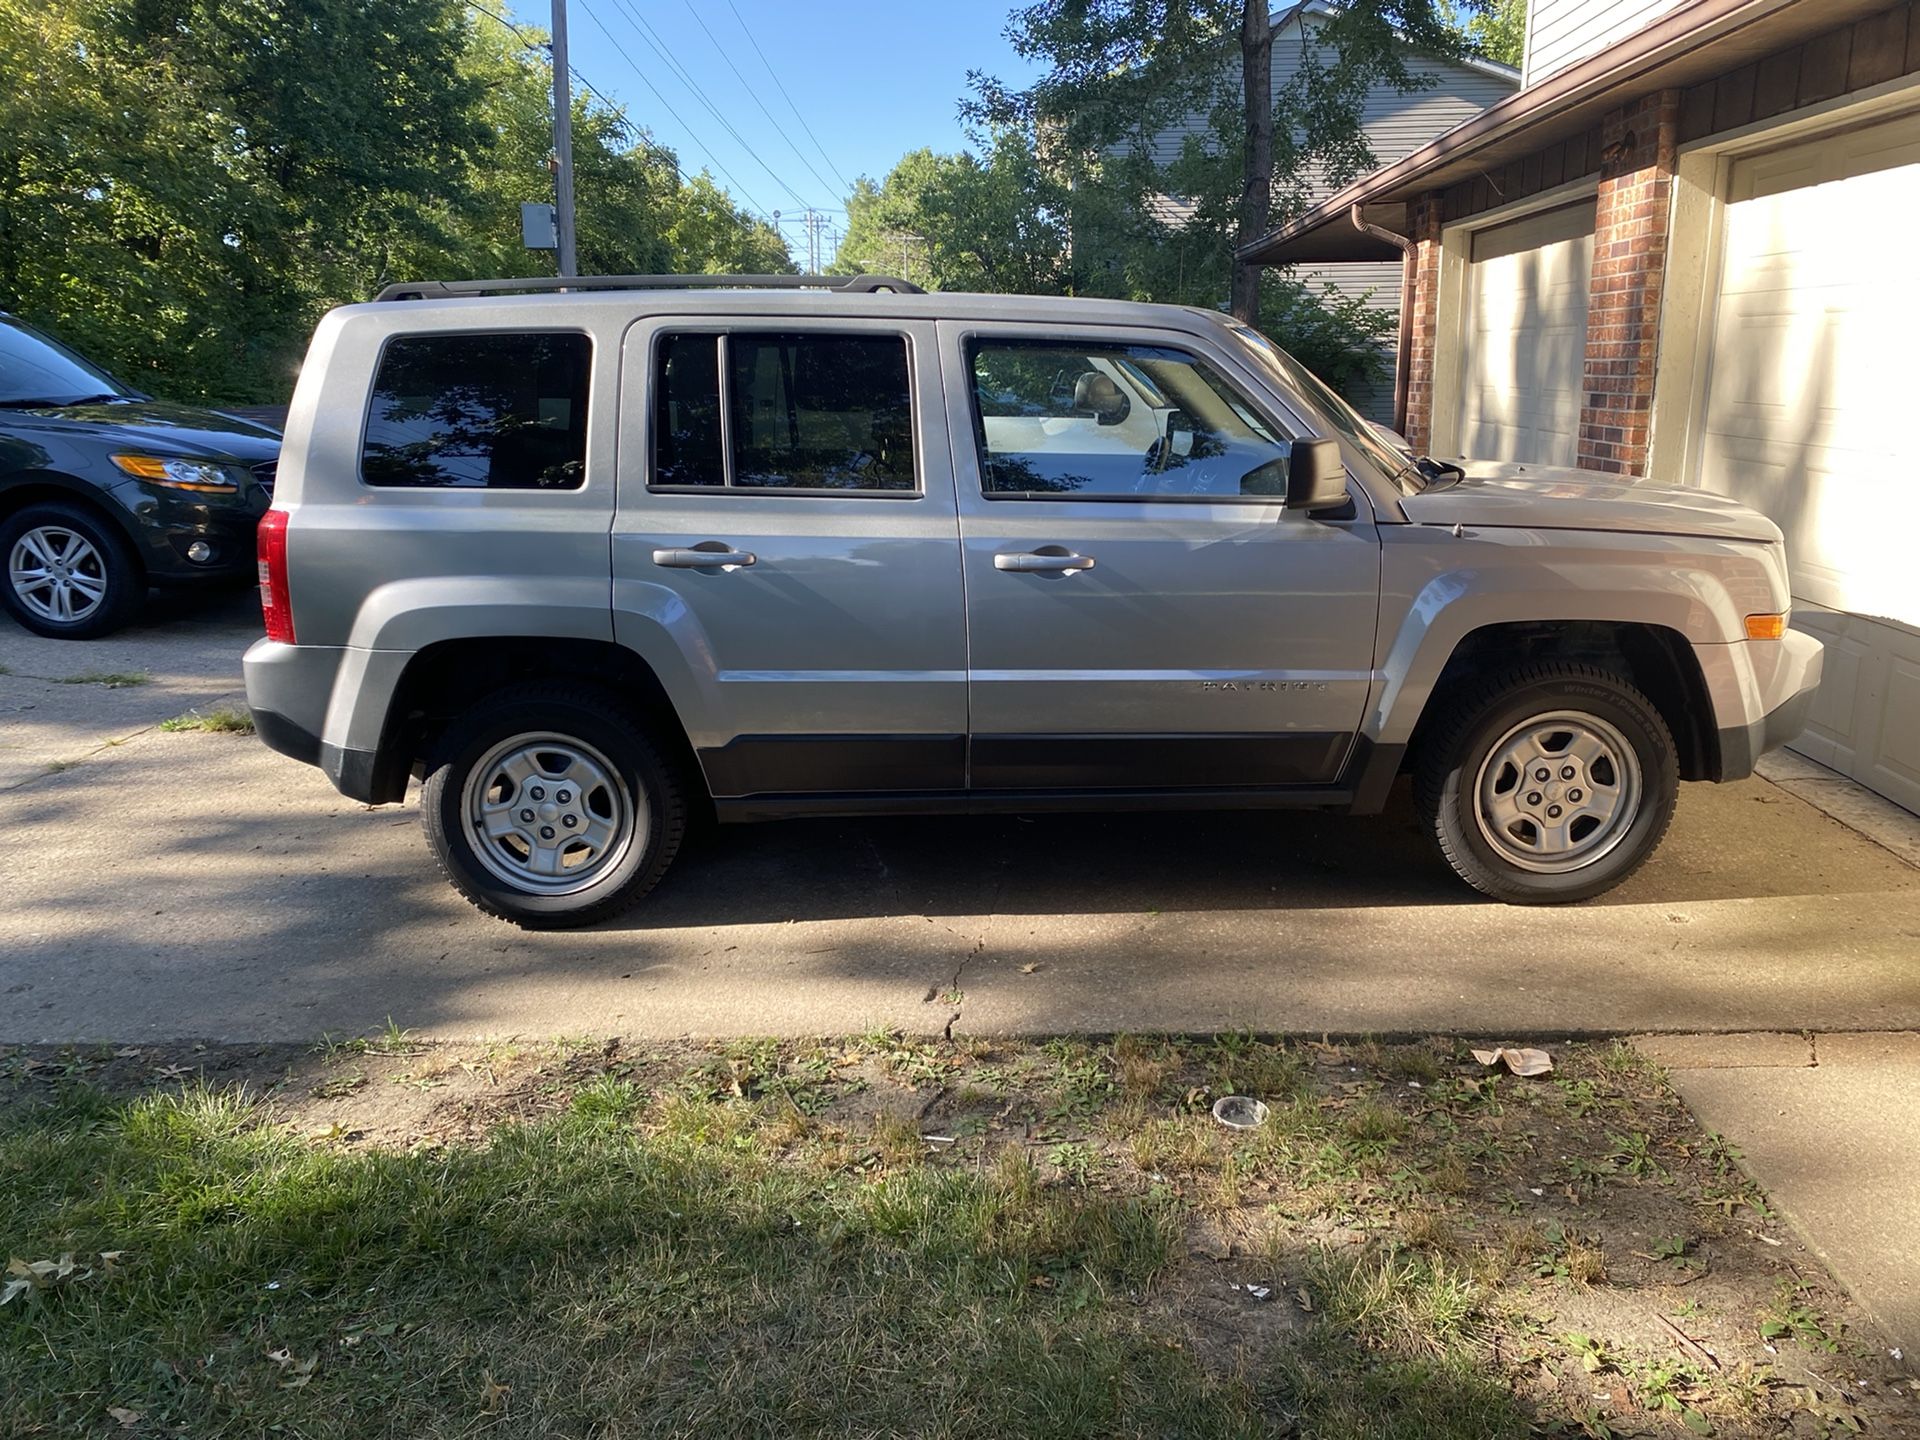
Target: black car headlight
{"points": [[206, 477]]}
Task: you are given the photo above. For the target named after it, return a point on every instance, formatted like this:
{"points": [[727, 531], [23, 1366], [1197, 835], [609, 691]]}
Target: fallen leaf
{"points": [[493, 1395]]}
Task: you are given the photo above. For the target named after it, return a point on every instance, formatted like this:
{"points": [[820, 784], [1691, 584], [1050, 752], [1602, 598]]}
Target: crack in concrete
{"points": [[979, 949]]}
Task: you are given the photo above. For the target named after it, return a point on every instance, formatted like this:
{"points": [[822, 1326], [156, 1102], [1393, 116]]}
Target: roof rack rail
{"points": [[535, 284]]}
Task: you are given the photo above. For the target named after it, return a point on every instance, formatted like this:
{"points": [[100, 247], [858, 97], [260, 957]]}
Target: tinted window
{"points": [[686, 412], [804, 412], [1121, 422], [480, 411], [34, 367]]}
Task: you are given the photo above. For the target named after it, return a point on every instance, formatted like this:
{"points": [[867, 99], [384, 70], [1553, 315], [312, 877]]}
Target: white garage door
{"points": [[1811, 417], [1526, 338]]}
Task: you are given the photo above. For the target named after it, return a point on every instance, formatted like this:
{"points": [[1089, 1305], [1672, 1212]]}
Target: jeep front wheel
{"points": [[548, 806], [1549, 784]]}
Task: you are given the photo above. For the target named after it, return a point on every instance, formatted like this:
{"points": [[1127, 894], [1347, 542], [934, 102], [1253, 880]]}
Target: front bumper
{"points": [[166, 523], [1783, 703]]}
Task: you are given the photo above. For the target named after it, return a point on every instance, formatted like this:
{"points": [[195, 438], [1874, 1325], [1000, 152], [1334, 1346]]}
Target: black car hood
{"points": [[155, 426]]}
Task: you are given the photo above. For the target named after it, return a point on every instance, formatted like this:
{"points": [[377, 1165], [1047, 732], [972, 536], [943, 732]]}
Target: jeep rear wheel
{"points": [[547, 805], [1549, 784]]}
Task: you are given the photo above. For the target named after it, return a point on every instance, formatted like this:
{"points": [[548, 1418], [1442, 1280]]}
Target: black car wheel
{"points": [[70, 574]]}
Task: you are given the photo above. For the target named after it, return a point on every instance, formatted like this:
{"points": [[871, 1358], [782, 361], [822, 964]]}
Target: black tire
{"points": [[1449, 780], [117, 566], [597, 728]]}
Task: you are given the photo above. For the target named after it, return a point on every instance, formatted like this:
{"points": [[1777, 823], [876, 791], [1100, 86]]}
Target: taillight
{"points": [[275, 603]]}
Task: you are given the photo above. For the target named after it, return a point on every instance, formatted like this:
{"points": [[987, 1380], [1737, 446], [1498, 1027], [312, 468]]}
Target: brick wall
{"points": [[1632, 149], [1424, 217], [1629, 266]]}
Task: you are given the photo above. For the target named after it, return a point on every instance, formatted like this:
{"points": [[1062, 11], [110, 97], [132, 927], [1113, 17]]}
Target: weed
{"points": [[1632, 1154], [1791, 1318], [111, 679], [223, 721], [1073, 1160]]}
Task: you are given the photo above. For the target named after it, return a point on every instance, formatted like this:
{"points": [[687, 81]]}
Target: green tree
{"points": [[961, 222], [1498, 29], [187, 185], [1117, 75]]}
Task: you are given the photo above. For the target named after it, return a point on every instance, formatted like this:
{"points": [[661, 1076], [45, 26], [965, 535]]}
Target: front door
{"points": [[1142, 610], [785, 551]]}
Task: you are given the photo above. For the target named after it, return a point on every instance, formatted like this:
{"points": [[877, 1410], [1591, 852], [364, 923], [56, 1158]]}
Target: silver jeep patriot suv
{"points": [[585, 559]]}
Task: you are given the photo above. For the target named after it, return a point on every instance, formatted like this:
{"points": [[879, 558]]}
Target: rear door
{"points": [[786, 537], [1143, 612]]}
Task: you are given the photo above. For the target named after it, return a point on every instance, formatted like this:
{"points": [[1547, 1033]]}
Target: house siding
{"points": [[1561, 32]]}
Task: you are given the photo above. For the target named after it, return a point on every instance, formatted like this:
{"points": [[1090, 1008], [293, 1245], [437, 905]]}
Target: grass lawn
{"points": [[886, 1236]]}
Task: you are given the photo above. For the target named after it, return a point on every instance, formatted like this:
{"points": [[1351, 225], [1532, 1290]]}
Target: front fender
{"points": [[1438, 587]]}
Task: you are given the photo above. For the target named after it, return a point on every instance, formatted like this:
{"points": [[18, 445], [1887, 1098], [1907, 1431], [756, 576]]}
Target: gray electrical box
{"points": [[537, 229]]}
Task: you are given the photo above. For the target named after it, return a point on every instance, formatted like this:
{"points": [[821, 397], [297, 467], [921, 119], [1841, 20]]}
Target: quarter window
{"points": [[1117, 422], [498, 412], [801, 412]]}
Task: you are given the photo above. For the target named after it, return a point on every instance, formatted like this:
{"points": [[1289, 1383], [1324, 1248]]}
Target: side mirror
{"points": [[1316, 476]]}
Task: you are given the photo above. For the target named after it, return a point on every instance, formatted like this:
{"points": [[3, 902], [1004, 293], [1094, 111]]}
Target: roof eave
{"points": [[1682, 47]]}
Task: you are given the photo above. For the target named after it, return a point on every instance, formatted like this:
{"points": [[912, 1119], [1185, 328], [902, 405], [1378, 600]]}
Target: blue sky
{"points": [[872, 79]]}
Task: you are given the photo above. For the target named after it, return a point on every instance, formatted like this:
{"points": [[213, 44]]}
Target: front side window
{"points": [[498, 412], [801, 412], [1117, 422]]}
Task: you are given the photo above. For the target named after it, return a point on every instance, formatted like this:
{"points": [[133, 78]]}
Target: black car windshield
{"points": [[38, 368], [1353, 427]]}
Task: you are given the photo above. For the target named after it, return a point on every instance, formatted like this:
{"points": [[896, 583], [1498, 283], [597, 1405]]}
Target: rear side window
{"points": [[496, 412], [784, 411]]}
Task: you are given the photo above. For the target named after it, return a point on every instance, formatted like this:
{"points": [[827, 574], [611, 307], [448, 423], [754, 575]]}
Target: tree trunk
{"points": [[1256, 178]]}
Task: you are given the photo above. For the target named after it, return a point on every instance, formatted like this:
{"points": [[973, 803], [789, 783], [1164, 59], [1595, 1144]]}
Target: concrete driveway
{"points": [[159, 885]]}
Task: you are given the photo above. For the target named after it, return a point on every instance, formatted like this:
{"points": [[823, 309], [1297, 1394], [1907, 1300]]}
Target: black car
{"points": [[105, 491]]}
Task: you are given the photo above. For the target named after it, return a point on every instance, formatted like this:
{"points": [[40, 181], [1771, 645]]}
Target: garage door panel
{"points": [[1526, 334], [1809, 417]]}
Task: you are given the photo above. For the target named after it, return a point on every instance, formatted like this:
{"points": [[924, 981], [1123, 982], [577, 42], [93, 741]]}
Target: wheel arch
{"points": [[1655, 659], [443, 679], [34, 487]]}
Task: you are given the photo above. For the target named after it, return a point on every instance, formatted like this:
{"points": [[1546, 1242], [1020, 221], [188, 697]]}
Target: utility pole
{"points": [[563, 143]]}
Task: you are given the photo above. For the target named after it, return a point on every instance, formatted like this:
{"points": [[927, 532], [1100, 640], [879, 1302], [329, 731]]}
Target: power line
{"points": [[659, 46], [844, 186], [754, 96], [541, 47], [667, 105]]}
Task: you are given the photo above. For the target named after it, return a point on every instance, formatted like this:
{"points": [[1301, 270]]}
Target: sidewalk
{"points": [[1829, 1124], [1830, 1127]]}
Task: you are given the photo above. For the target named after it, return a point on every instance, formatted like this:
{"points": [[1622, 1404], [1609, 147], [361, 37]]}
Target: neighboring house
{"points": [[1681, 252], [1395, 123]]}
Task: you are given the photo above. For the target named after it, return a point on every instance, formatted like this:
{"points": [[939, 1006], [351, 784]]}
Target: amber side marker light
{"points": [[1766, 627]]}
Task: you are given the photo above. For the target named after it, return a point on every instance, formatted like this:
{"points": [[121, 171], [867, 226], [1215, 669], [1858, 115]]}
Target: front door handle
{"points": [[1048, 559], [709, 555]]}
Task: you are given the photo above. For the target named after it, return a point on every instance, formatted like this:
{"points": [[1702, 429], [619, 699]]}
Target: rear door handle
{"points": [[1046, 560], [700, 558]]}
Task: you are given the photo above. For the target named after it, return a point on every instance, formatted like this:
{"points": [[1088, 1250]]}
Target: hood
{"points": [[1506, 493], [153, 425]]}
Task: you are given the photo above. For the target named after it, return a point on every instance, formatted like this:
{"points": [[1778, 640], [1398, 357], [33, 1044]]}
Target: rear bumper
{"points": [[1785, 704], [291, 690]]}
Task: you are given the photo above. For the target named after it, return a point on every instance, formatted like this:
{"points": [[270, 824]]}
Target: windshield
{"points": [[1353, 427], [35, 367]]}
